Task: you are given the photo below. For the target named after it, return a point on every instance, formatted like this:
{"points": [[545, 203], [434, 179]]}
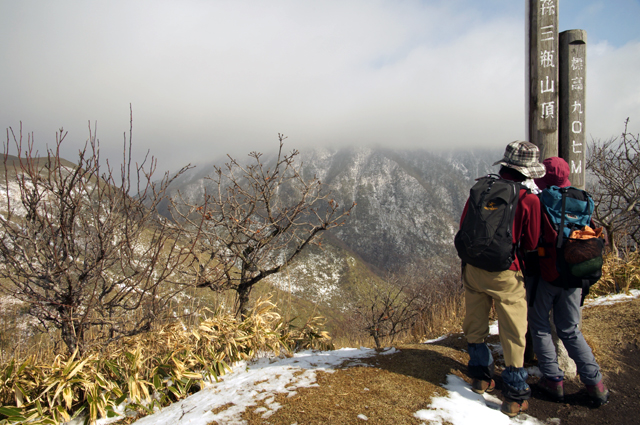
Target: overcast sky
{"points": [[207, 78]]}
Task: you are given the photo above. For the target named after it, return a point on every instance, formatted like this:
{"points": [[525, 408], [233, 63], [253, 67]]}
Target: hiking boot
{"points": [[513, 408], [598, 394], [554, 389], [479, 386]]}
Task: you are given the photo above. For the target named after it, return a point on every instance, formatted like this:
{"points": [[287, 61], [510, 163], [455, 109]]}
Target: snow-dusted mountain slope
{"points": [[408, 209]]}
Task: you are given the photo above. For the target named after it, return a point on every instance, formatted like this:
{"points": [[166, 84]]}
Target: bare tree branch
{"points": [[387, 309], [615, 167], [255, 220], [90, 256]]}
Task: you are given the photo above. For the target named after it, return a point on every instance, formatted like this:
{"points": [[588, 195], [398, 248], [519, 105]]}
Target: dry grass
{"points": [[175, 358], [442, 317], [440, 310], [610, 336], [619, 274], [439, 318], [396, 386], [388, 391], [147, 370]]}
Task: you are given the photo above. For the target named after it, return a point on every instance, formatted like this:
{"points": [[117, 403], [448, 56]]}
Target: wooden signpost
{"points": [[556, 93], [556, 103], [573, 68], [543, 76]]}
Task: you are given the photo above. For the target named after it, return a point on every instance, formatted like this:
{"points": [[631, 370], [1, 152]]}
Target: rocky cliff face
{"points": [[408, 201]]}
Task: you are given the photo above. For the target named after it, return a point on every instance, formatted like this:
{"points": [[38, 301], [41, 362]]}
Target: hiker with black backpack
{"points": [[500, 217], [564, 280]]}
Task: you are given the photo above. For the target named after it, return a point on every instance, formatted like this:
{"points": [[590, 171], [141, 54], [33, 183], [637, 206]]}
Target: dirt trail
{"points": [[396, 386]]}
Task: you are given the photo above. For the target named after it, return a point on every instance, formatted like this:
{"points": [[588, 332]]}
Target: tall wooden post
{"points": [[544, 111], [573, 68], [542, 99]]}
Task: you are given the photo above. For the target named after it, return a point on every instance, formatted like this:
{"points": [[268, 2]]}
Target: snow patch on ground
{"points": [[254, 386], [612, 299], [431, 341], [462, 406]]}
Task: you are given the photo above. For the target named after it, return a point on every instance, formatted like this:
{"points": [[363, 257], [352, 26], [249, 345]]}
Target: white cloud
{"points": [[207, 78], [613, 89]]}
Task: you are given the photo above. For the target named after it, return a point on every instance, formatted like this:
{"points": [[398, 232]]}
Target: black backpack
{"points": [[485, 238]]}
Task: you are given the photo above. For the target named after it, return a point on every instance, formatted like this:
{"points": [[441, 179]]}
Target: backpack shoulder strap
{"points": [[563, 190]]}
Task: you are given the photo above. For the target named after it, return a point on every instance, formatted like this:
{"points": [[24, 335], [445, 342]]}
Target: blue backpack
{"points": [[577, 262]]}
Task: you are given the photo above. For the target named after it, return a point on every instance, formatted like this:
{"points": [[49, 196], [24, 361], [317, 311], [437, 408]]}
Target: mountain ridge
{"points": [[408, 204]]}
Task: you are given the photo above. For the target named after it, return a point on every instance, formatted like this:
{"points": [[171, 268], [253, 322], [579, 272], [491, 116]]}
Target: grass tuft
{"points": [[146, 371], [619, 274]]}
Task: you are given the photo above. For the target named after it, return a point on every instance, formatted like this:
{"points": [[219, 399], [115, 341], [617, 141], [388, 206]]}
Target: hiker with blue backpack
{"points": [[500, 215], [570, 260]]}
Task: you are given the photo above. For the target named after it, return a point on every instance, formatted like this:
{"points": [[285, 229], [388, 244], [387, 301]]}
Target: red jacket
{"points": [[526, 225]]}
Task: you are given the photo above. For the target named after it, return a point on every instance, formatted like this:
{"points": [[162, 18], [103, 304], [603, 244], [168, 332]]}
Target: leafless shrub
{"points": [[82, 245], [254, 221], [615, 167], [442, 309], [424, 301], [386, 309]]}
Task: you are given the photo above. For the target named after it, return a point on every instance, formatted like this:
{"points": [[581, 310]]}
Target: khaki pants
{"points": [[507, 290]]}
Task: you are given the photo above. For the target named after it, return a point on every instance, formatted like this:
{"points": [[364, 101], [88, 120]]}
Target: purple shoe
{"points": [[554, 389], [598, 394]]}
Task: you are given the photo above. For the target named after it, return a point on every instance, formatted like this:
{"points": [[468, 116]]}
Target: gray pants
{"points": [[566, 317]]}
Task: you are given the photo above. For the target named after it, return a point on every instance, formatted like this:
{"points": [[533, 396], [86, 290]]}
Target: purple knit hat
{"points": [[557, 173]]}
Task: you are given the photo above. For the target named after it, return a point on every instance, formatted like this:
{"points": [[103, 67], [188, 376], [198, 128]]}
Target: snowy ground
{"points": [[612, 299], [258, 382], [250, 383]]}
